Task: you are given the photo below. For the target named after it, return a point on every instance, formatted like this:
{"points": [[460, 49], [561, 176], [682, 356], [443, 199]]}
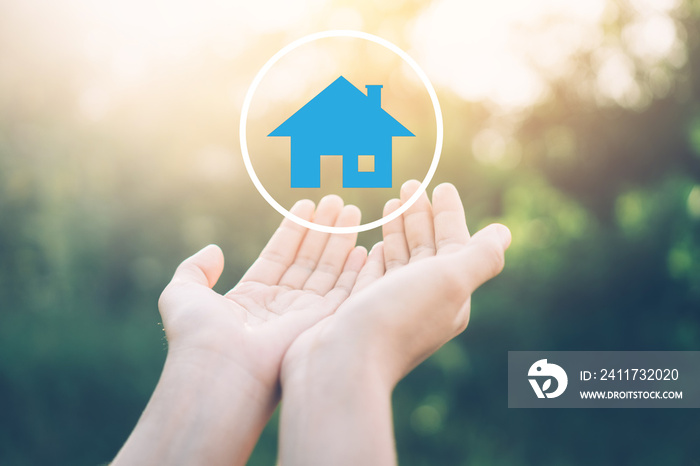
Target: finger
{"points": [[484, 256], [280, 251], [314, 243], [333, 258], [418, 223], [395, 248], [203, 268], [373, 268], [451, 231], [347, 279]]}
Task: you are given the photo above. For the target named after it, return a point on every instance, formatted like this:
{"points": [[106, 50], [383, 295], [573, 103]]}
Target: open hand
{"points": [[300, 277], [412, 295], [219, 385]]}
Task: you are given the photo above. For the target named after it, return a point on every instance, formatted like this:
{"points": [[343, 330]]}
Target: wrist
{"points": [[341, 355], [219, 378], [334, 377], [204, 410], [336, 404], [335, 360]]}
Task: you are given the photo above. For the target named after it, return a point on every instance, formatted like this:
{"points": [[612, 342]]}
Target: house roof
{"points": [[341, 109]]}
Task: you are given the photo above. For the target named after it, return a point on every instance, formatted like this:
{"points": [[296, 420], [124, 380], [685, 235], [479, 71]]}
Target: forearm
{"points": [[203, 411], [340, 416]]}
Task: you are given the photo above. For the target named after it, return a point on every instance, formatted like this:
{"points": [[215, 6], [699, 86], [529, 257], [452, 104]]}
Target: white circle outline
{"points": [[305, 40]]}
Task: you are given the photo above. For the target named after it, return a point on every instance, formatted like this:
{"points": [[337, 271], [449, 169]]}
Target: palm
{"points": [[417, 275], [264, 308], [300, 277], [261, 303]]}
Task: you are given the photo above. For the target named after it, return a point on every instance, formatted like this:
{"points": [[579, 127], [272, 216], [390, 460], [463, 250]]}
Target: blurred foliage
{"points": [[101, 195]]}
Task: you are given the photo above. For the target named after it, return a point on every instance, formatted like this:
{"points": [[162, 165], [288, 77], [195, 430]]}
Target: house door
{"points": [[332, 171]]}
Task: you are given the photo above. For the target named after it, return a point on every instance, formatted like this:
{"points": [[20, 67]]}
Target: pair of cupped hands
{"points": [[318, 322]]}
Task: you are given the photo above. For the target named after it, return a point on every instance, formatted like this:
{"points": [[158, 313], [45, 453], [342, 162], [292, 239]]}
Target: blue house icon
{"points": [[341, 120]]}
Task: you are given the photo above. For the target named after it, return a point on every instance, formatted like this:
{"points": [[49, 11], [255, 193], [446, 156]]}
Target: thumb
{"points": [[203, 268], [484, 256]]}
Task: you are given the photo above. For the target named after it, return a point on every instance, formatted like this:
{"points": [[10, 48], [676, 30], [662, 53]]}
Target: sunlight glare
{"points": [[508, 52], [476, 48]]}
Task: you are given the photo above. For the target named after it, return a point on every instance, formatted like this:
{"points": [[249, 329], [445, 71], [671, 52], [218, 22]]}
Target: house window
{"points": [[365, 163]]}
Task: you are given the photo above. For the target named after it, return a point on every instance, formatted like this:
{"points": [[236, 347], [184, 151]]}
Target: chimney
{"points": [[374, 94]]}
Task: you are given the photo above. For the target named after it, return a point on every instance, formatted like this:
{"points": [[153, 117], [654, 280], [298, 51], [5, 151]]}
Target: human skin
{"points": [[220, 381], [228, 353], [411, 297]]}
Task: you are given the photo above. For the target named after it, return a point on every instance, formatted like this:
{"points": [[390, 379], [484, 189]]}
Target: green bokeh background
{"points": [[603, 200]]}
